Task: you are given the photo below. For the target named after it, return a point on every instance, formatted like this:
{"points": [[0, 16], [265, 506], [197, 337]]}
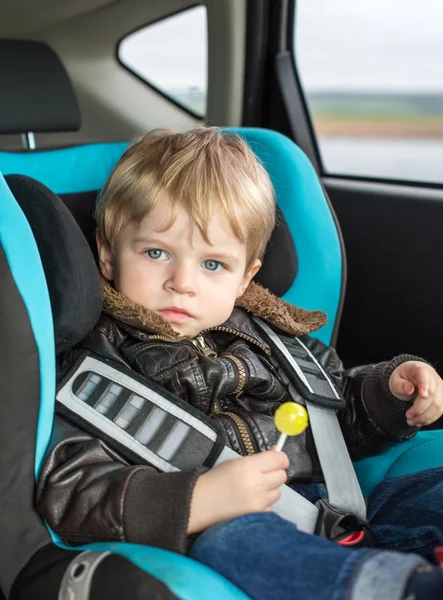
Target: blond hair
{"points": [[202, 171]]}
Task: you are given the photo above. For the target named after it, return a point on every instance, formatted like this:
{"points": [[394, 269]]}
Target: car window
{"points": [[372, 74], [171, 55]]}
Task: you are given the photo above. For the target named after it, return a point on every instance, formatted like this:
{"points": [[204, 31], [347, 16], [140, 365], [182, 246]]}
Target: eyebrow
{"points": [[147, 240], [223, 256]]}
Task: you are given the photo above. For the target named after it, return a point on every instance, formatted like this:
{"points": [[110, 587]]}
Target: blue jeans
{"points": [[270, 559]]}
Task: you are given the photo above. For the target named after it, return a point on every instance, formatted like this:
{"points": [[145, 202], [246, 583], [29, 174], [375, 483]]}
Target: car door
{"points": [[359, 86]]}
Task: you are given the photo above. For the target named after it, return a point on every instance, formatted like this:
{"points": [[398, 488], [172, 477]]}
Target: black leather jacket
{"points": [[88, 492]]}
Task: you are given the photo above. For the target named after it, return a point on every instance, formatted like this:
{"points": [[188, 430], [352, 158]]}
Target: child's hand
{"points": [[237, 487], [418, 382]]}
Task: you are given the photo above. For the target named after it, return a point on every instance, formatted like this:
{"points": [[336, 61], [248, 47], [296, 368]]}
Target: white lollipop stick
{"points": [[281, 441]]}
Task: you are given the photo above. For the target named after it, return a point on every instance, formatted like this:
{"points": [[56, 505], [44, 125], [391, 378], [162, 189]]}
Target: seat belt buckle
{"points": [[355, 539], [342, 527], [438, 555]]}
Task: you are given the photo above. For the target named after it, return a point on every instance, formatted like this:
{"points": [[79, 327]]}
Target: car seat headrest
{"points": [[36, 93], [71, 272], [280, 263]]}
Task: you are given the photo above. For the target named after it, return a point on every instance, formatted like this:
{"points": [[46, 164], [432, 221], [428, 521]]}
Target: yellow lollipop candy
{"points": [[290, 418]]}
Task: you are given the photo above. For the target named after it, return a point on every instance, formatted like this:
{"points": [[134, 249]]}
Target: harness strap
{"points": [[342, 484], [143, 423], [150, 425]]}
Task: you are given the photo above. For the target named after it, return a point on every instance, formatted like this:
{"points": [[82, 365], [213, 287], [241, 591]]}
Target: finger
{"points": [[430, 415], [275, 479], [406, 388], [419, 407], [432, 387], [272, 496], [400, 387], [420, 375], [272, 460]]}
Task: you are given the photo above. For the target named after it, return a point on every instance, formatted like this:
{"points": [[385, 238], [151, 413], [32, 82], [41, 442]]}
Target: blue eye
{"points": [[157, 254], [213, 265]]}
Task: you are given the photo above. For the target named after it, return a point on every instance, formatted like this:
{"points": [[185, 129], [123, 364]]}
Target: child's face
{"points": [[190, 283]]}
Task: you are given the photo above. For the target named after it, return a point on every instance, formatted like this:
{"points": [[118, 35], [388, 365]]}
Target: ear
{"points": [[248, 276], [105, 258]]}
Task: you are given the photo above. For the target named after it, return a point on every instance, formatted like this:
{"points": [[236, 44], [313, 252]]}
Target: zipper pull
{"points": [[199, 342]]}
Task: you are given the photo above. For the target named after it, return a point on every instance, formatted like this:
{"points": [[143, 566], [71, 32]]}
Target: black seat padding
{"points": [[70, 269]]}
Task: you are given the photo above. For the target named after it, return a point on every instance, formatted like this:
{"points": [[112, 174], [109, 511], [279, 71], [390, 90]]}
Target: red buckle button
{"points": [[438, 554], [355, 538]]}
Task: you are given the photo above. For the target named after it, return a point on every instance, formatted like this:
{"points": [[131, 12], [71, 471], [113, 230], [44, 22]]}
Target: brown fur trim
{"points": [[120, 307], [257, 300], [262, 303]]}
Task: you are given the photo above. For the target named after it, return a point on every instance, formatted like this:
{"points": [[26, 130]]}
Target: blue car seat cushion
{"points": [[70, 269], [21, 386], [37, 94]]}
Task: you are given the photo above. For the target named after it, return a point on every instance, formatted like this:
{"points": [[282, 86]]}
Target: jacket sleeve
{"points": [[373, 417], [87, 492]]}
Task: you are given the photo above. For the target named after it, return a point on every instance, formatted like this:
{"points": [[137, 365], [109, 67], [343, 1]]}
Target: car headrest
{"points": [[36, 94], [71, 272]]}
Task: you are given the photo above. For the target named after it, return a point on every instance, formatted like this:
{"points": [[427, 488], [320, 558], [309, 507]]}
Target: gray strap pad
{"points": [[142, 423], [302, 370]]}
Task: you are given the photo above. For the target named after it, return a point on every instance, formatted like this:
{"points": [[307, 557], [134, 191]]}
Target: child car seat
{"points": [[159, 560]]}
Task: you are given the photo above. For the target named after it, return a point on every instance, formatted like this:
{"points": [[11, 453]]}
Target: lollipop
{"points": [[290, 419]]}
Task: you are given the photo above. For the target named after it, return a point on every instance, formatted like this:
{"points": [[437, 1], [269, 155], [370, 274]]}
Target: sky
{"points": [[381, 45], [341, 45]]}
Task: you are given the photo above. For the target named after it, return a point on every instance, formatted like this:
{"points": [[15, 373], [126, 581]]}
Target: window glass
{"points": [[172, 56], [372, 73]]}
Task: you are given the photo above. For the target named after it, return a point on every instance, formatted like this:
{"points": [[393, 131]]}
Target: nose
{"points": [[182, 279]]}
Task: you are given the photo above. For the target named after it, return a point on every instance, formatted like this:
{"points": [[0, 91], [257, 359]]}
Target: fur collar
{"points": [[256, 300]]}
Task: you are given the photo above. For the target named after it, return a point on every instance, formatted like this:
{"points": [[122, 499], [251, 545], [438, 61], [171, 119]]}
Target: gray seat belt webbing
{"points": [[344, 491], [291, 505]]}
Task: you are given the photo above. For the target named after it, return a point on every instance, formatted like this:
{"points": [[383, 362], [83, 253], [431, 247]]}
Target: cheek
{"points": [[223, 297], [133, 278]]}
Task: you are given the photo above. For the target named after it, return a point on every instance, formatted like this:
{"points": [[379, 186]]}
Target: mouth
{"points": [[174, 314]]}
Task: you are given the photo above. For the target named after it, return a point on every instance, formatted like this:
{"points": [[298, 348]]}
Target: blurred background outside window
{"points": [[372, 74], [171, 55]]}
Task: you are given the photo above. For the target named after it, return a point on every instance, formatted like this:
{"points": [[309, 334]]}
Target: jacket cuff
{"points": [[387, 411], [156, 508]]}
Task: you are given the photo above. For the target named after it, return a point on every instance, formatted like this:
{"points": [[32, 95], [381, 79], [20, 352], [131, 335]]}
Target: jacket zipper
{"points": [[240, 426], [244, 336], [241, 372], [201, 344], [199, 341]]}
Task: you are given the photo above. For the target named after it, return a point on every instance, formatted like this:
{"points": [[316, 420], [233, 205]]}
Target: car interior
{"points": [[80, 82]]}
